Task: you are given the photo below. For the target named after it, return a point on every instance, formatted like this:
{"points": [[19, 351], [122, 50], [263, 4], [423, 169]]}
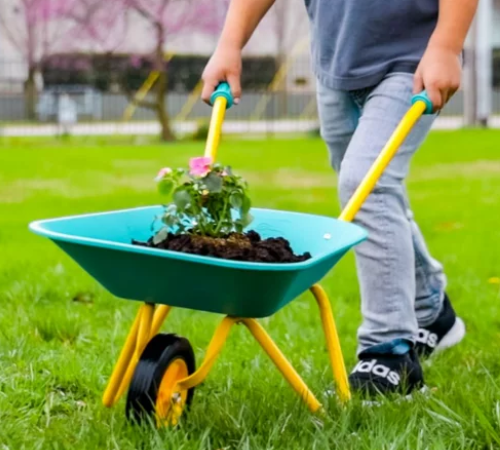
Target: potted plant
{"points": [[206, 212]]}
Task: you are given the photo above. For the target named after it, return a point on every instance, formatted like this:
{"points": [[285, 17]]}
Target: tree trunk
{"points": [[30, 94], [162, 112]]}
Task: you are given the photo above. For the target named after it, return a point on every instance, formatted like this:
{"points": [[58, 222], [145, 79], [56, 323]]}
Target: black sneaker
{"points": [[447, 330], [386, 374]]}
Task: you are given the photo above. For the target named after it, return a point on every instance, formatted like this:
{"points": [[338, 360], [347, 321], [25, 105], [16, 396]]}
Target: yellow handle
{"points": [[383, 160], [214, 132]]}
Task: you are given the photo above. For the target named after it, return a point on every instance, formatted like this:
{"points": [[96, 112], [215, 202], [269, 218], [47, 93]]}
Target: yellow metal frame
{"points": [[150, 318]]}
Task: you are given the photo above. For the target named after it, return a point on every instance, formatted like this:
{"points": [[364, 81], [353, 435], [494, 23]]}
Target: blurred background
{"points": [[93, 67]]}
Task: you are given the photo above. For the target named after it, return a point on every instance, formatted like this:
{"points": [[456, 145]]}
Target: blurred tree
{"points": [[40, 28], [29, 27], [167, 19]]}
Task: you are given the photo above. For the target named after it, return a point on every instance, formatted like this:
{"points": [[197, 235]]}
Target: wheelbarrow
{"points": [[159, 369]]}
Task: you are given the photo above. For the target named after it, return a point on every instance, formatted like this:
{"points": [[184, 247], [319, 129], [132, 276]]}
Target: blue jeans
{"points": [[402, 286]]}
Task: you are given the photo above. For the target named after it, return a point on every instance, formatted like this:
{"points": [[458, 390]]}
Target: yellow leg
{"points": [[122, 364], [332, 343], [217, 342], [143, 337], [282, 364], [136, 341], [159, 317], [215, 347]]}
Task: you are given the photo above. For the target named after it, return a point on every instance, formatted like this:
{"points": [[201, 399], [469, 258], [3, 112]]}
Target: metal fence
{"points": [[288, 105]]}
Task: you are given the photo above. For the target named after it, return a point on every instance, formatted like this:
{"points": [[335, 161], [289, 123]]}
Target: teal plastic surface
{"points": [[101, 244], [223, 90], [423, 97]]}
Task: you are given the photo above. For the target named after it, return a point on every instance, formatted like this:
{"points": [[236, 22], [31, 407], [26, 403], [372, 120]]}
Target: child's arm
{"points": [[225, 64], [439, 71]]}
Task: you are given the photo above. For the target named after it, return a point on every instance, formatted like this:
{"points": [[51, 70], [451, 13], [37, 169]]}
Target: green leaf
{"points": [[182, 198], [246, 219], [160, 236], [213, 182], [246, 205], [165, 187], [236, 200], [170, 220]]}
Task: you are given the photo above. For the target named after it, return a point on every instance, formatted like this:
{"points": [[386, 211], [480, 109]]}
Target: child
{"points": [[369, 57]]}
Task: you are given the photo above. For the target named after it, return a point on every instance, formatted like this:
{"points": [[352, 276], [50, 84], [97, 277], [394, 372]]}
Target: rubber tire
{"points": [[160, 351]]}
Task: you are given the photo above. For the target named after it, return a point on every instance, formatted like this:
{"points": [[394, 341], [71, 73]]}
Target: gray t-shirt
{"points": [[355, 43]]}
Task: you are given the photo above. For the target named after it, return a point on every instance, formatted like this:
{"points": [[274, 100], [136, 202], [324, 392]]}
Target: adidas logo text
{"points": [[378, 369], [427, 338]]}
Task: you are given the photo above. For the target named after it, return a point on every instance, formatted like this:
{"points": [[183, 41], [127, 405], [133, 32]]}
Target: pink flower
{"points": [[224, 173], [162, 173], [199, 167]]}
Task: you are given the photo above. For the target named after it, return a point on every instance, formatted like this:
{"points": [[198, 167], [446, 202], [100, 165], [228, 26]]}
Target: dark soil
{"points": [[239, 247]]}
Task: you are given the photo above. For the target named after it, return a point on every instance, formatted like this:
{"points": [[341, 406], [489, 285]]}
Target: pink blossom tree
{"points": [[166, 20], [39, 28], [28, 26]]}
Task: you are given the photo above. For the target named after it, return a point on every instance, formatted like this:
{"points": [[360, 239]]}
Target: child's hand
{"points": [[224, 65], [439, 73]]}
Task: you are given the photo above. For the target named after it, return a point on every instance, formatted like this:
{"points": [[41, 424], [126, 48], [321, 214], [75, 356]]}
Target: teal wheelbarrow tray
{"points": [[159, 369], [102, 245]]}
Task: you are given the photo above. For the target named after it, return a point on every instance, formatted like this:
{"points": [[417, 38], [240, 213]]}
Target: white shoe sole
{"points": [[453, 337]]}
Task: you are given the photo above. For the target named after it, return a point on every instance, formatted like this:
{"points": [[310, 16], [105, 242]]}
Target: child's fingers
{"points": [[436, 97], [235, 84], [418, 83], [209, 85]]}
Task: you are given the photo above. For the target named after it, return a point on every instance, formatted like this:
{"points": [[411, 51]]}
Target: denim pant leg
{"points": [[430, 278], [339, 116], [386, 261], [394, 265]]}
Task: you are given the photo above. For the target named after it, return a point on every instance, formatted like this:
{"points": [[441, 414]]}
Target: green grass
{"points": [[56, 353]]}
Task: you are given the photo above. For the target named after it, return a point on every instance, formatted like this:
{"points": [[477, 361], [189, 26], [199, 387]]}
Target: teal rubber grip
{"points": [[222, 90], [423, 97]]}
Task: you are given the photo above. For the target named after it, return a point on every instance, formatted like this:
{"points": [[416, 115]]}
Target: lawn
{"points": [[60, 332]]}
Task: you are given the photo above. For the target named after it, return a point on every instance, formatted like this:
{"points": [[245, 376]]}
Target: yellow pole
{"points": [[140, 95], [108, 399], [214, 132], [332, 343], [278, 77], [143, 336], [191, 101], [143, 91], [282, 364], [383, 160], [214, 348]]}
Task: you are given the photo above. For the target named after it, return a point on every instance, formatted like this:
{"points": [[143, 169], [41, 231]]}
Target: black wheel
{"points": [[153, 392]]}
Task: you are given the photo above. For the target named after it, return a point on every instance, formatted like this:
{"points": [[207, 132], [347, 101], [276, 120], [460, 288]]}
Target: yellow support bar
{"points": [[278, 78], [140, 95], [214, 132], [383, 160], [282, 364], [143, 91], [332, 343], [159, 317], [143, 335], [108, 399], [191, 101], [265, 341], [218, 340], [147, 323]]}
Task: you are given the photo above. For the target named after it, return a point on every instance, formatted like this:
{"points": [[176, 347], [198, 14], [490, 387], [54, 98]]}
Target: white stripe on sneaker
{"points": [[453, 337]]}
